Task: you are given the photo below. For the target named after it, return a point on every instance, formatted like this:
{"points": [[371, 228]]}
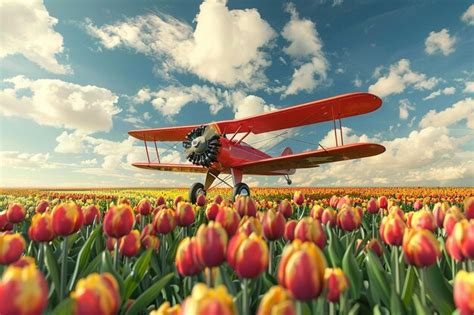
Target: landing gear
{"points": [[288, 180], [196, 190], [241, 189]]}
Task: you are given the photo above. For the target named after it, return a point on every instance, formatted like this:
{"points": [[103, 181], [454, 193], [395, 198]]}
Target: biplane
{"points": [[218, 148]]}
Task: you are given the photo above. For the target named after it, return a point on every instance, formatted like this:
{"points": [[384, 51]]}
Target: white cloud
{"points": [[226, 47], [89, 162], [469, 87], [15, 159], [440, 42], [337, 2], [461, 110], [305, 47], [404, 108], [400, 77], [446, 91], [27, 29], [86, 108], [357, 81], [468, 16], [330, 141], [70, 143], [249, 105]]}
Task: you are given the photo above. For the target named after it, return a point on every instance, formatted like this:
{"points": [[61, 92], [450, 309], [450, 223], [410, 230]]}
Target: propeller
{"points": [[202, 145]]}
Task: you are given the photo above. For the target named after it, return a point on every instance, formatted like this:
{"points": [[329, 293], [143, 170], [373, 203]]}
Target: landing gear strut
{"points": [[196, 190], [288, 180]]}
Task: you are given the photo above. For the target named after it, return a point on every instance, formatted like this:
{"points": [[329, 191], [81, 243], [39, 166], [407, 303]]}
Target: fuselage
{"points": [[232, 154]]}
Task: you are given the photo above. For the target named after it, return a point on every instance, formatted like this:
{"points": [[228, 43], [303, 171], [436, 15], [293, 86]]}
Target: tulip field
{"points": [[279, 251]]}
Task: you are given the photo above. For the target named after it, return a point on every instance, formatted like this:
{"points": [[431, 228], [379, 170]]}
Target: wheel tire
{"points": [[241, 189], [194, 191]]}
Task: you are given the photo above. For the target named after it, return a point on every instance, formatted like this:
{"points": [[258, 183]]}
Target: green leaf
{"points": [[351, 269], [83, 257], [409, 286], [396, 305], [149, 295], [226, 280], [138, 272], [439, 290], [52, 265], [335, 248], [107, 266], [378, 283], [66, 307], [419, 308]]}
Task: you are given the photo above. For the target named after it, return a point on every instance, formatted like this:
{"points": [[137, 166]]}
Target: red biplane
{"points": [[218, 148]]}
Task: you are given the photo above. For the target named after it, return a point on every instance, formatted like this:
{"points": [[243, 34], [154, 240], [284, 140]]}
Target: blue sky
{"points": [[76, 76]]}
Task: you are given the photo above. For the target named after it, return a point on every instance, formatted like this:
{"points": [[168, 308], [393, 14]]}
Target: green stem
{"points": [[332, 308], [397, 270], [116, 255], [270, 256], [373, 225], [209, 279], [245, 297], [453, 267], [40, 259], [299, 308], [62, 285], [422, 286]]}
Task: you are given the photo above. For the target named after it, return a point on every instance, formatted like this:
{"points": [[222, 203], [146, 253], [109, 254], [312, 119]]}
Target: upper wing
{"points": [[312, 158], [337, 107]]}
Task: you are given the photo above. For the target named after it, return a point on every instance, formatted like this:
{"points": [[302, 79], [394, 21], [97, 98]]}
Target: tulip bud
{"points": [[184, 214], [277, 301], [464, 292], [42, 206], [329, 215], [463, 235], [124, 201], [229, 219], [273, 225], [41, 228], [333, 201], [129, 244], [160, 201], [249, 225], [316, 212], [289, 234], [177, 200], [11, 247], [16, 213], [167, 309], [469, 208], [375, 246], [204, 300], [23, 290], [336, 283], [4, 224], [97, 294], [218, 199], [164, 221], [201, 200], [211, 211], [67, 219], [453, 249], [310, 230], [348, 218], [91, 214], [392, 230], [247, 255], [149, 239], [383, 202], [395, 210], [110, 243], [372, 206], [439, 212], [346, 200], [423, 219], [187, 261], [453, 216], [211, 243], [421, 248], [417, 205], [119, 220], [301, 270], [298, 198], [246, 206], [144, 207]]}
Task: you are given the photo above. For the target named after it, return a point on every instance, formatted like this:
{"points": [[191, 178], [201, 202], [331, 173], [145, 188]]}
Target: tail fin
{"points": [[287, 151]]}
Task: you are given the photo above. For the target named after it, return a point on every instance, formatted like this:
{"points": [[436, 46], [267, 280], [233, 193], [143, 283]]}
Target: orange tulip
{"points": [[16, 213], [316, 212], [423, 219], [289, 234], [67, 219], [463, 235], [229, 220], [204, 300], [187, 260], [464, 292], [12, 246], [420, 247], [336, 283], [247, 255], [167, 309], [211, 243], [97, 294], [249, 225], [273, 223], [348, 218], [392, 230], [129, 244], [310, 230], [164, 221], [246, 206], [119, 220], [329, 216], [298, 198], [469, 208], [185, 214], [277, 301], [41, 228], [453, 216]]}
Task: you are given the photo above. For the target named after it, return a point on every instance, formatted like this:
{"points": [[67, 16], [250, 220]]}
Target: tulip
{"points": [[12, 246], [91, 214], [464, 292], [418, 204], [149, 239], [187, 260], [346, 200], [420, 247], [211, 211], [247, 255], [316, 212], [453, 216], [329, 216], [372, 206], [395, 210], [129, 245], [16, 213], [184, 214], [333, 201], [124, 201], [298, 198], [289, 234], [164, 221], [211, 240], [229, 219], [375, 246], [110, 243], [285, 208], [201, 200], [167, 309], [160, 201], [246, 206], [249, 225], [119, 220], [453, 249], [204, 300], [4, 224], [97, 294], [439, 212], [144, 207], [336, 283], [383, 202], [301, 270], [67, 219], [277, 301], [42, 206], [348, 218], [177, 200], [310, 230], [469, 208], [41, 228], [218, 199], [273, 224], [423, 219], [23, 290], [463, 235], [392, 230]]}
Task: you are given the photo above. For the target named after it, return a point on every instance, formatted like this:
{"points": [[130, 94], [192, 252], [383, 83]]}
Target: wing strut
{"points": [[146, 149], [156, 150]]}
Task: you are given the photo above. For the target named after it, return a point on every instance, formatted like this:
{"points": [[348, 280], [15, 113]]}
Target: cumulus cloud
{"points": [[86, 108], [468, 16], [16, 159], [440, 42], [469, 87], [404, 107], [226, 47], [306, 49], [462, 110], [399, 77], [446, 91], [70, 143], [348, 136], [27, 29]]}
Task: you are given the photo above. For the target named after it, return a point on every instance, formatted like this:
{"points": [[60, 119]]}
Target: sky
{"points": [[76, 76]]}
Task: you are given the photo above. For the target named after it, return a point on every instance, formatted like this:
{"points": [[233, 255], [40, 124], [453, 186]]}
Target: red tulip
{"points": [[41, 228], [453, 216], [91, 214], [469, 208], [187, 261], [277, 301], [246, 206], [144, 207], [383, 202], [336, 283], [298, 198], [184, 214], [464, 292], [372, 206], [375, 246], [177, 200], [439, 212], [119, 220], [310, 230], [249, 225], [160, 201], [218, 199], [164, 221], [423, 219], [463, 235], [4, 224], [316, 212], [42, 206], [289, 234], [211, 244], [12, 246], [201, 200], [273, 225], [129, 244], [16, 213], [392, 230], [285, 208], [247, 255], [421, 248], [329, 215], [211, 211], [67, 219], [229, 219], [348, 218]]}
